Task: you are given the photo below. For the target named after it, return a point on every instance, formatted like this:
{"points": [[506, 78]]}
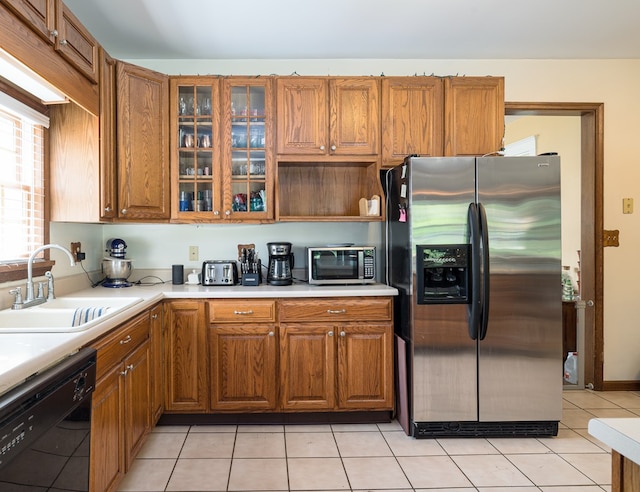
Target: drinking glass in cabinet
{"points": [[186, 164], [256, 164], [239, 136], [204, 163], [257, 136], [239, 164], [256, 102]]}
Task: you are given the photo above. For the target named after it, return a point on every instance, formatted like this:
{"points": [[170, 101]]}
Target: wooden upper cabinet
{"points": [[143, 143], [75, 43], [412, 112], [474, 115], [55, 23], [38, 14], [354, 116], [327, 116], [302, 121]]}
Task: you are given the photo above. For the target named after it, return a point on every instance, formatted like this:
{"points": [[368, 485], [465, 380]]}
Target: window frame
{"points": [[17, 270]]}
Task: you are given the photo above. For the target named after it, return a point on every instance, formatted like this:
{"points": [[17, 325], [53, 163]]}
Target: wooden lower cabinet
{"points": [[243, 355], [342, 363], [278, 355], [121, 404], [243, 363], [326, 367], [185, 357], [365, 366], [307, 367]]}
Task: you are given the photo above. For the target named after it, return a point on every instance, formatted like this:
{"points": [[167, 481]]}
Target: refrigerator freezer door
{"points": [[444, 364], [520, 376]]}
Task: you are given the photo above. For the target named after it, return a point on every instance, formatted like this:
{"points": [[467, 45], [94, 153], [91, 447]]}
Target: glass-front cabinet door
{"points": [[247, 129], [196, 174]]}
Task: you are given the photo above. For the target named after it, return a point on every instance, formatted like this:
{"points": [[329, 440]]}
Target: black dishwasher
{"points": [[45, 426]]}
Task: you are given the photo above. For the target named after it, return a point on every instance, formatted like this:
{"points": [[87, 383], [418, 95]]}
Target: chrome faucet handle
{"points": [[17, 299], [40, 294], [50, 292]]}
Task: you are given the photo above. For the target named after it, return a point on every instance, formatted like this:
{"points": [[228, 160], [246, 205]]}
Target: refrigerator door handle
{"points": [[485, 287], [475, 305]]}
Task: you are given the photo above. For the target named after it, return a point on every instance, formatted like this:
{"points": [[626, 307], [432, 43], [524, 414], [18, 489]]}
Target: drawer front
{"points": [[115, 347], [336, 309], [241, 311]]}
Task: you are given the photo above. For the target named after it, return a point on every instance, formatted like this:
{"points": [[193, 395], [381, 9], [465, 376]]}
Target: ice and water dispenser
{"points": [[443, 273]]}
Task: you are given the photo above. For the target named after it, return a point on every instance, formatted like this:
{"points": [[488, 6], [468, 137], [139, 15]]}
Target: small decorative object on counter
{"points": [[193, 278], [567, 285], [177, 274]]}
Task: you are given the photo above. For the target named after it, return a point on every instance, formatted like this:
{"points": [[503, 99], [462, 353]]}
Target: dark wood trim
{"points": [[592, 279], [632, 385]]}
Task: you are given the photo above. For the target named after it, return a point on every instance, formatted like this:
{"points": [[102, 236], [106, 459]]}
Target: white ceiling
{"points": [[363, 29]]}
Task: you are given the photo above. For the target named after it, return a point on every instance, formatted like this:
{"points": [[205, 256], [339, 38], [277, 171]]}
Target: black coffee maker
{"points": [[280, 264]]}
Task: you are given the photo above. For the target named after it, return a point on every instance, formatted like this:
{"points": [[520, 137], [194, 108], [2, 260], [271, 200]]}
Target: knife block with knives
{"points": [[250, 265]]}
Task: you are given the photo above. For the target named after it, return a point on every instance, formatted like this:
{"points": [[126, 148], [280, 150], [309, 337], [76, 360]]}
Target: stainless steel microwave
{"points": [[341, 265]]}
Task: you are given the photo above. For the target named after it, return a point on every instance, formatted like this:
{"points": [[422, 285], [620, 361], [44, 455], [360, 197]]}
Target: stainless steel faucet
{"points": [[29, 299]]}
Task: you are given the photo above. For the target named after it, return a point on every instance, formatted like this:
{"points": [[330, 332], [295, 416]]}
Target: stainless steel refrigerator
{"points": [[473, 246]]}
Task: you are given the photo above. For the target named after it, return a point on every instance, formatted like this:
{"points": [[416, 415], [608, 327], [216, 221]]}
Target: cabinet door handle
{"points": [[227, 212], [271, 334], [216, 212], [343, 334], [125, 340], [154, 316], [243, 313], [129, 367], [336, 311], [123, 373], [54, 33], [333, 147], [330, 333], [64, 42], [107, 209], [124, 211], [322, 147]]}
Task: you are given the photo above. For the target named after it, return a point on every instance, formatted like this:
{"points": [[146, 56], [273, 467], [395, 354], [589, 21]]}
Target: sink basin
{"points": [[58, 315], [87, 302], [32, 318]]}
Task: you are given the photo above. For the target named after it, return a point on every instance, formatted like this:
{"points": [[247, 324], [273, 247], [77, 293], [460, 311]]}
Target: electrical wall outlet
{"points": [[76, 251], [193, 253]]}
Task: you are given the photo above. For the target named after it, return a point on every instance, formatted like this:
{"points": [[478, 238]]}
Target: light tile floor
{"points": [[380, 457]]}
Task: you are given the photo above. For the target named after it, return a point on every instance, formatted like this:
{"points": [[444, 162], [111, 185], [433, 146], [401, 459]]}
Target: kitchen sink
{"points": [[111, 303], [64, 315]]}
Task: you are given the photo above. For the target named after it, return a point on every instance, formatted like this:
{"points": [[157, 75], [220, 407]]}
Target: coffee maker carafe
{"points": [[280, 264]]}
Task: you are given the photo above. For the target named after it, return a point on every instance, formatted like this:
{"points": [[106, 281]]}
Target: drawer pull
{"points": [[330, 333], [125, 340], [342, 334], [243, 313], [336, 311], [271, 334]]}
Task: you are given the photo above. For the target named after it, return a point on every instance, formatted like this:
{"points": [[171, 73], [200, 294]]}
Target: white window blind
{"points": [[21, 185]]}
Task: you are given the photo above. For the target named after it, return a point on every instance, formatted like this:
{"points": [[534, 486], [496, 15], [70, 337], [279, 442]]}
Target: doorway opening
{"points": [[591, 157]]}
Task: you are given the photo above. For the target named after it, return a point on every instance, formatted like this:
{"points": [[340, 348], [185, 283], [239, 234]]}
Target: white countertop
{"points": [[24, 354], [620, 434]]}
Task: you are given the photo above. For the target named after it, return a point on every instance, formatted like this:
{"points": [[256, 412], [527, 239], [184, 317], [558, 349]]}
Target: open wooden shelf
{"points": [[325, 191]]}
